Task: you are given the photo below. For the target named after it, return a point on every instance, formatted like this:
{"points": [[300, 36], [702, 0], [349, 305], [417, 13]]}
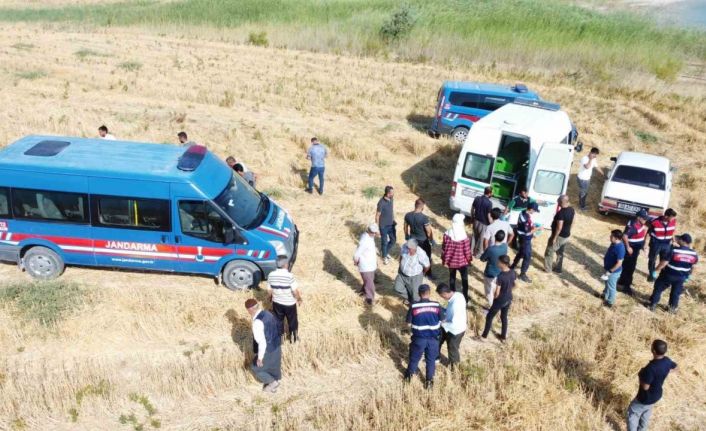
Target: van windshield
{"points": [[549, 182], [478, 168], [640, 177], [245, 205]]}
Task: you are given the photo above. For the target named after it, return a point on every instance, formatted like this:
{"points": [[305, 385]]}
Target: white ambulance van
{"points": [[525, 143]]}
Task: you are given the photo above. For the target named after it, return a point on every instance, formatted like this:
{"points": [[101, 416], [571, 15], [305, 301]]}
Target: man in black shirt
{"points": [[480, 216], [385, 219], [417, 226], [504, 283], [652, 378], [561, 231]]}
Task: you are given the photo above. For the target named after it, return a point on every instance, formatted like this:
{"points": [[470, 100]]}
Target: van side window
{"points": [[150, 214], [48, 205], [4, 202], [201, 220], [491, 103], [467, 100]]}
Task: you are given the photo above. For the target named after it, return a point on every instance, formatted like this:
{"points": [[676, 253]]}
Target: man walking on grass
{"points": [[454, 323], [317, 154], [561, 231], [586, 166], [649, 391], [613, 266], [505, 282], [480, 217], [417, 226], [365, 258], [674, 270], [385, 219], [634, 240], [424, 317], [491, 256], [414, 263], [267, 340], [662, 231], [285, 295]]}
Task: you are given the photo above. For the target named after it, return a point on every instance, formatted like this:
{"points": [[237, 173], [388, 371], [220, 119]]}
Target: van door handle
{"points": [[165, 239], [177, 239]]}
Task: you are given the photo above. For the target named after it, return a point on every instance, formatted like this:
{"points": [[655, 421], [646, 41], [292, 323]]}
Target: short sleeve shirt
{"points": [[567, 215], [317, 153], [417, 225], [505, 282], [386, 208], [496, 227], [654, 374], [482, 207], [615, 253], [585, 173], [491, 255]]}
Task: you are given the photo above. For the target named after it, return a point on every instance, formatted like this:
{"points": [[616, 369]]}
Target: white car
{"points": [[637, 181]]}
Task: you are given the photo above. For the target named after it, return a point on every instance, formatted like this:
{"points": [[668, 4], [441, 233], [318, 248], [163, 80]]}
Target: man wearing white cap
{"points": [[414, 263], [366, 258]]}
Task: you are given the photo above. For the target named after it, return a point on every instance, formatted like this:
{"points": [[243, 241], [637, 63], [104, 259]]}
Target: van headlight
{"points": [[280, 248]]}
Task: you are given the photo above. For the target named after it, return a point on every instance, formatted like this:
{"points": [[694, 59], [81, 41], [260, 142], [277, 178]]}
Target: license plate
{"points": [[468, 192], [628, 207]]}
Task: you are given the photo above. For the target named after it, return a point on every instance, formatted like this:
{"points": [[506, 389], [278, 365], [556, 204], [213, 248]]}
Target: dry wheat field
{"points": [[156, 351]]}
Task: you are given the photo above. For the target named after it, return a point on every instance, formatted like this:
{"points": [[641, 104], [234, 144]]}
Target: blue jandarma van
{"points": [[460, 104], [73, 201]]}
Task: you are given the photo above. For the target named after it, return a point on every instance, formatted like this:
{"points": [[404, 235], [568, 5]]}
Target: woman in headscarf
{"points": [[456, 252]]}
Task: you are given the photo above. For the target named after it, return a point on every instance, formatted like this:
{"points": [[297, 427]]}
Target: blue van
{"points": [[460, 104], [74, 201]]}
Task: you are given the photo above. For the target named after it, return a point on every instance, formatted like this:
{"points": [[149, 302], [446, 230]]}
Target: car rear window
{"points": [[640, 177], [478, 168]]}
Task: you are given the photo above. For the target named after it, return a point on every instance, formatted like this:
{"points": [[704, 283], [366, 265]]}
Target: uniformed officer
{"points": [[661, 233], [525, 233], [634, 237], [425, 318], [518, 203], [674, 270]]}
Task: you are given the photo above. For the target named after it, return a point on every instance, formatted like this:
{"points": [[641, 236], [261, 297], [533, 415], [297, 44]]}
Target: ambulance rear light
{"points": [[453, 189], [447, 106], [441, 104], [192, 158]]}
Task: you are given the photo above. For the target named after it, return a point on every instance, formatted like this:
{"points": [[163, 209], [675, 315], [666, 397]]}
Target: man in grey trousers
{"points": [[267, 341], [414, 263]]}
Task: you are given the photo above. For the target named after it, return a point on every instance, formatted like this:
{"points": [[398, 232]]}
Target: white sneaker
{"points": [[385, 260], [272, 387]]}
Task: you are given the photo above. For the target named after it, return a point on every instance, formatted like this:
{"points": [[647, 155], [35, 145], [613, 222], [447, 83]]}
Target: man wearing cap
{"points": [[267, 340], [365, 258], [674, 271], [425, 318], [634, 240], [661, 233], [525, 233], [414, 263], [454, 324]]}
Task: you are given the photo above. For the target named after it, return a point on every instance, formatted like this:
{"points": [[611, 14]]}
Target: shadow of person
{"points": [[390, 339], [303, 174], [241, 334], [597, 391], [355, 229]]}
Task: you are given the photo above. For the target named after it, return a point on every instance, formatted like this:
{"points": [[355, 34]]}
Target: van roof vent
{"points": [[520, 88], [47, 148]]}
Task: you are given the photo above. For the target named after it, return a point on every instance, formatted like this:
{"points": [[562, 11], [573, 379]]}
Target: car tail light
{"points": [[453, 189], [608, 202], [441, 103]]}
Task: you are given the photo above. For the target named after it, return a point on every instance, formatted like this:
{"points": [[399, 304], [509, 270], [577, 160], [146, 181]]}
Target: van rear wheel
{"points": [[43, 263], [460, 134], [241, 275]]}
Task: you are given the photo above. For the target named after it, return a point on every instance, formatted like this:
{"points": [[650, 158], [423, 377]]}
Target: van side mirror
{"points": [[613, 159], [673, 169], [579, 147]]}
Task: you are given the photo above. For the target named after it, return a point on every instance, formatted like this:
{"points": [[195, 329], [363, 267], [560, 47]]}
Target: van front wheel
{"points": [[460, 134], [42, 263], [241, 275]]}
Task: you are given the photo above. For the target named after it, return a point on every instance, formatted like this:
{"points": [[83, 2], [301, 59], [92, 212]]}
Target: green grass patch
{"points": [[539, 33], [23, 46], [31, 75], [646, 137], [46, 302], [273, 192], [372, 192], [85, 52], [130, 66]]}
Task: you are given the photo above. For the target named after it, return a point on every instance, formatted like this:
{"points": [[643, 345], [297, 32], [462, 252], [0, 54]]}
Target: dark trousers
{"points": [[463, 271], [314, 172], [290, 313], [662, 283], [453, 343], [658, 251], [429, 346], [524, 253], [271, 368], [426, 246], [629, 264], [388, 238], [504, 309]]}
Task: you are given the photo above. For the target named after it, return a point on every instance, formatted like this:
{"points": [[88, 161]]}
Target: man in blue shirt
{"points": [[491, 255], [613, 266], [525, 232], [652, 377], [317, 154], [425, 317], [674, 270]]}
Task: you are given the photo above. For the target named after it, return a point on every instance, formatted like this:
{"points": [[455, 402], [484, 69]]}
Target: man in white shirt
{"points": [[103, 133], [267, 340], [365, 258], [414, 263], [497, 225], [455, 322], [285, 295], [586, 166]]}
